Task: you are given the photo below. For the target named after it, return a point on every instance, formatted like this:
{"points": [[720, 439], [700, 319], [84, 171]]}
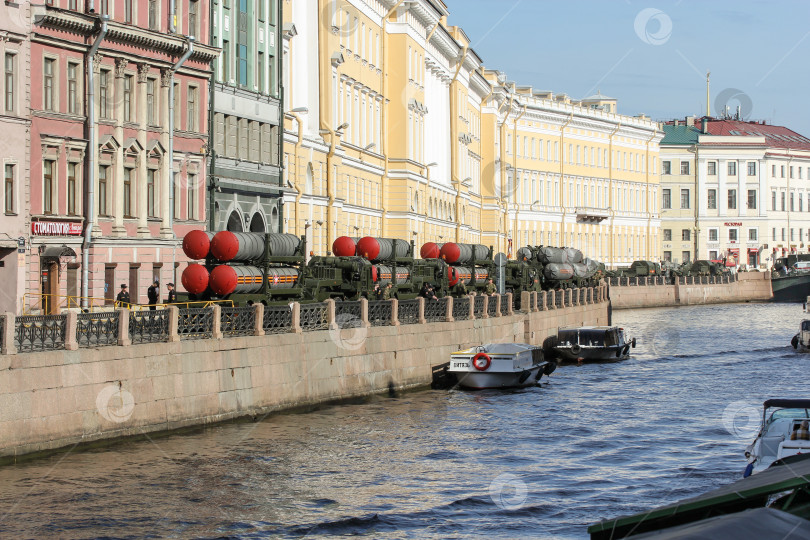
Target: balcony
{"points": [[588, 214]]}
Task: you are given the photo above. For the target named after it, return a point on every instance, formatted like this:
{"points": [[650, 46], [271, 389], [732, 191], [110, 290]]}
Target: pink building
{"points": [[15, 26], [110, 166]]}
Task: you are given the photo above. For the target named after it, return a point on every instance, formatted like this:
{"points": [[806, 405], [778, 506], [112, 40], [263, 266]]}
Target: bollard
{"points": [[497, 298], [295, 324], [394, 312], [258, 314], [174, 316], [330, 314], [509, 307], [123, 328], [526, 302], [448, 314], [364, 313], [472, 305], [421, 317], [71, 327], [485, 314]]}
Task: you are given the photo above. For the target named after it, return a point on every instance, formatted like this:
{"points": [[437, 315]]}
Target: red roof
{"points": [[775, 136]]}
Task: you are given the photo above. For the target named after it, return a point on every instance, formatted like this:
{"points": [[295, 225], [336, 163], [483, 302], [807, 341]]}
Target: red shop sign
{"points": [[56, 228]]}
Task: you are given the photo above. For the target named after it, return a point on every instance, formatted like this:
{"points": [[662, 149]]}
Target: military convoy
{"points": [[273, 268], [669, 271]]}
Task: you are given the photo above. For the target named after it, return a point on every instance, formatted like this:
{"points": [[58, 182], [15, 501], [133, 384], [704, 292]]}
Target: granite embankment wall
{"points": [[747, 287], [55, 399]]}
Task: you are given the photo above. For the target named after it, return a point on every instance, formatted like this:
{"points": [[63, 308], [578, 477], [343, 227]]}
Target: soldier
{"points": [[153, 294], [388, 292], [172, 294], [462, 288], [490, 289], [378, 293], [123, 297]]}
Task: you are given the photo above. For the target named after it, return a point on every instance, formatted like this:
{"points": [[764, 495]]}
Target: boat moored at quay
{"points": [[499, 365]]}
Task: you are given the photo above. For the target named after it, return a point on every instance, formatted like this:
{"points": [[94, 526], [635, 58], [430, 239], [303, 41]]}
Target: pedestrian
{"points": [[122, 300], [153, 294], [172, 298]]}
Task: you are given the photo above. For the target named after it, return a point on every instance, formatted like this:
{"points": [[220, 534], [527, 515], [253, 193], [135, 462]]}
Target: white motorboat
{"points": [[591, 344], [801, 341], [500, 365], [780, 435]]}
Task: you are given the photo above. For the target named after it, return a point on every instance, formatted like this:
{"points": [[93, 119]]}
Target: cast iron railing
{"points": [[504, 304], [149, 326], [348, 314], [379, 312], [492, 306], [40, 332], [314, 317], [237, 321], [435, 310], [408, 311], [97, 329], [277, 319], [461, 308], [195, 323], [478, 306]]}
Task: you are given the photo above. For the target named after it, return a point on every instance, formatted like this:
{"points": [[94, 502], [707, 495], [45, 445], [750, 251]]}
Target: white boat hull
{"points": [[480, 380]]}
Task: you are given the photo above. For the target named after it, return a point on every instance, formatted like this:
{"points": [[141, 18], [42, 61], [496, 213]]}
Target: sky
{"points": [[653, 56]]}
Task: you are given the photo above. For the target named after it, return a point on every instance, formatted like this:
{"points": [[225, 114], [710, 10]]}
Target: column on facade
{"points": [[92, 175], [143, 229], [118, 189], [168, 160]]}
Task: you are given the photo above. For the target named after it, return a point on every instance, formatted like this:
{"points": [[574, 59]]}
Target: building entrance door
{"points": [[109, 285], [49, 279]]}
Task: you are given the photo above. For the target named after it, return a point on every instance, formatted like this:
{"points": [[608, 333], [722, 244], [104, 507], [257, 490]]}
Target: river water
{"points": [[592, 442]]}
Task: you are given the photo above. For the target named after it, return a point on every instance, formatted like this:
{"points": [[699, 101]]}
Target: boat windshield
{"points": [[805, 325], [789, 413], [594, 337]]}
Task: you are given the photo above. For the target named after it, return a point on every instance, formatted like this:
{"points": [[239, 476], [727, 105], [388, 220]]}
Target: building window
{"points": [[128, 11], [667, 235], [47, 187], [153, 14], [666, 199], [47, 85], [150, 192], [684, 167], [753, 235], [713, 255], [103, 88], [784, 235], [668, 256], [791, 201], [10, 81], [774, 234], [191, 109], [791, 171], [103, 171], [732, 199], [752, 168], [226, 61], [71, 188], [686, 256], [9, 189], [752, 199], [732, 168], [732, 235], [666, 167], [243, 23], [105, 7], [782, 170], [684, 199], [712, 168], [713, 235], [193, 12], [127, 192], [150, 102], [773, 201], [260, 68], [128, 98], [711, 199], [773, 170], [686, 235], [191, 196], [73, 88]]}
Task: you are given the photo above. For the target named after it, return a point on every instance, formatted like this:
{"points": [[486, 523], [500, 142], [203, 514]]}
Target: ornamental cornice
{"points": [[80, 23]]}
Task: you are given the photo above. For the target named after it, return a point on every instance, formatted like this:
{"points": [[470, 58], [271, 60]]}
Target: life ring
{"points": [[478, 364], [795, 341], [626, 350], [576, 349]]}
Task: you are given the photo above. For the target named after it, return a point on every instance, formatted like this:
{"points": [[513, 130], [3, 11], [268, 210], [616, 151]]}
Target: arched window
{"points": [[257, 223], [235, 222]]}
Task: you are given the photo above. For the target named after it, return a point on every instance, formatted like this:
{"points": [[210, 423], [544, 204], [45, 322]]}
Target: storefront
{"points": [[55, 245]]}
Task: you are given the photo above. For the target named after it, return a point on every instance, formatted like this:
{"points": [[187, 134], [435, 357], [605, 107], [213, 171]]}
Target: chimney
{"points": [[704, 125], [690, 121]]}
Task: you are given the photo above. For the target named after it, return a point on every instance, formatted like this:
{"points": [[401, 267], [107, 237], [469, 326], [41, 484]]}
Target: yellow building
{"points": [[396, 129]]}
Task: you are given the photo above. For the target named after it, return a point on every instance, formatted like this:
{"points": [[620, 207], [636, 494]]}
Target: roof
{"points": [[508, 348], [788, 403], [680, 135], [775, 136], [751, 492], [748, 525]]}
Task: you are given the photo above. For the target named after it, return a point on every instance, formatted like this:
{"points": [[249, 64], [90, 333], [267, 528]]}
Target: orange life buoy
{"points": [[481, 366]]}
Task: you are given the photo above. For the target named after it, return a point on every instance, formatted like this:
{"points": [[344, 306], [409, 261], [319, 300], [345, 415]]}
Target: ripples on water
{"points": [[593, 442]]}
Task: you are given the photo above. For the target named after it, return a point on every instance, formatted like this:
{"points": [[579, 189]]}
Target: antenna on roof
{"points": [[708, 110]]}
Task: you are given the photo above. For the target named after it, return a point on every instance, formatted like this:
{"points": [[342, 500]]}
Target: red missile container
{"points": [[197, 244], [344, 247], [195, 279]]}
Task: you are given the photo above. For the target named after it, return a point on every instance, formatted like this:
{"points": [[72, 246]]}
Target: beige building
{"points": [[396, 129]]}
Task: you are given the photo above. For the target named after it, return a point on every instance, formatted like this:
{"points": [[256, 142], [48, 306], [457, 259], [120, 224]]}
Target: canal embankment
{"points": [[79, 378], [643, 292]]}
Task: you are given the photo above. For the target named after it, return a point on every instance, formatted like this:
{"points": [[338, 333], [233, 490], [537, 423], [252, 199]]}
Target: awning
{"points": [[55, 252]]}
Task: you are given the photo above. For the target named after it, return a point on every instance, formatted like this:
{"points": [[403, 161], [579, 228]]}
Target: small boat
{"points": [[591, 343], [780, 435], [801, 341], [500, 365]]}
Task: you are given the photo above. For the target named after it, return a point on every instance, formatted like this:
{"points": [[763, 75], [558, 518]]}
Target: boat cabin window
{"points": [[789, 413], [805, 325]]}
